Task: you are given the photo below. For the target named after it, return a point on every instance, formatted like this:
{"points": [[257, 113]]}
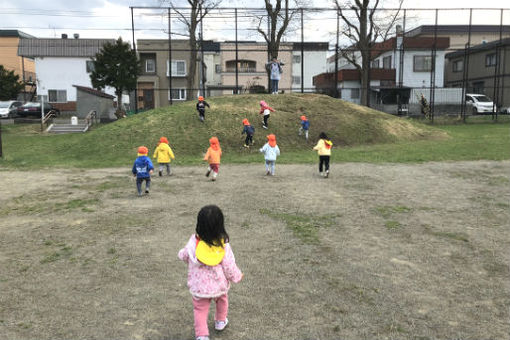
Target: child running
{"points": [[164, 155], [211, 268], [323, 148], [305, 126], [266, 110], [201, 108], [270, 151], [142, 170], [213, 156], [249, 130]]}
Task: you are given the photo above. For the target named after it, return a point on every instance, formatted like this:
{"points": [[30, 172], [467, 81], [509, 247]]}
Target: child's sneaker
{"points": [[268, 173], [326, 174], [202, 338], [207, 173], [147, 191], [160, 173], [246, 146], [220, 325]]}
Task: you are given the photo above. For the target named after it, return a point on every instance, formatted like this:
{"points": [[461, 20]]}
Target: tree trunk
{"points": [[364, 47], [192, 67], [120, 113]]}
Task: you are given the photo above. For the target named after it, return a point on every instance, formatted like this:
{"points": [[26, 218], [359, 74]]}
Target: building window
{"points": [[354, 93], [458, 65], [490, 60], [217, 68], [177, 94], [375, 63], [422, 63], [150, 65], [387, 62], [478, 87], [296, 59], [245, 66], [57, 96], [296, 80], [90, 66], [178, 68]]}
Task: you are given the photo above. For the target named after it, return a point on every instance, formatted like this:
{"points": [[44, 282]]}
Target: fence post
{"points": [[134, 49], [237, 59], [497, 70], [336, 53], [170, 55], [302, 54], [1, 152], [433, 72]]}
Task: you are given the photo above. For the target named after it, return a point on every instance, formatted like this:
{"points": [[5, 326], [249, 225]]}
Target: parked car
{"points": [[480, 103], [9, 108], [34, 109], [505, 110]]}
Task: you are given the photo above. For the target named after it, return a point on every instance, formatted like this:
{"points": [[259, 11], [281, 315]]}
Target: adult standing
{"points": [[274, 67]]}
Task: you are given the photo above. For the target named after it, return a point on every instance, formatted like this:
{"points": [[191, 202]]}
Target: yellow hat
{"points": [[209, 255]]}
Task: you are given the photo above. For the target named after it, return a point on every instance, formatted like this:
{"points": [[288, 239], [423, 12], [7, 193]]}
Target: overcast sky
{"points": [[112, 18]]}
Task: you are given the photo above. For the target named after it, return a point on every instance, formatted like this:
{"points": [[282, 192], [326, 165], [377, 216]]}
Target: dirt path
{"points": [[375, 252]]}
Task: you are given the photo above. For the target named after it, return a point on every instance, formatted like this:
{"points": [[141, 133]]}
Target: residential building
{"points": [[459, 34], [212, 68], [251, 66], [488, 71], [387, 71], [60, 64], [24, 67], [314, 63], [153, 83]]}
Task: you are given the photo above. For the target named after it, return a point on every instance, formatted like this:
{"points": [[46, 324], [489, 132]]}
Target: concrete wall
{"points": [[87, 102]]}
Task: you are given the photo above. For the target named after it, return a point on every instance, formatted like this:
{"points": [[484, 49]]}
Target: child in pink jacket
{"points": [[211, 268]]}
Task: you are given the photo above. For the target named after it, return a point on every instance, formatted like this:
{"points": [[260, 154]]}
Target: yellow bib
{"points": [[209, 255]]}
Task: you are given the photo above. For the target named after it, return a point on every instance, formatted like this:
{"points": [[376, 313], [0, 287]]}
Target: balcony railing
{"points": [[241, 70]]}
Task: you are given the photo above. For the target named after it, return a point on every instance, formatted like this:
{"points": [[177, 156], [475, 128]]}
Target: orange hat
{"points": [[142, 151], [163, 140], [215, 143], [200, 98], [245, 121], [303, 117], [272, 140]]}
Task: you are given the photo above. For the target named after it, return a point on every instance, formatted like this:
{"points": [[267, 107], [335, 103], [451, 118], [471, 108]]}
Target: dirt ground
{"points": [[374, 252]]}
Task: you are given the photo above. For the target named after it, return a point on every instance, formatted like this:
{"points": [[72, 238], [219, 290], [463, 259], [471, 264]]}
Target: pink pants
{"points": [[201, 311]]}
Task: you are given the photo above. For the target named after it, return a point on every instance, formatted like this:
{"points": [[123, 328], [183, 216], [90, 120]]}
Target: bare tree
{"points": [[192, 18], [364, 29], [277, 18]]}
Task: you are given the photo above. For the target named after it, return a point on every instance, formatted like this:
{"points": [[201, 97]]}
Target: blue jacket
{"points": [[142, 167], [248, 129], [269, 152], [305, 124]]}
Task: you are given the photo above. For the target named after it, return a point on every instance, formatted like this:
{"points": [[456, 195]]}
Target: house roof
{"points": [[412, 43], [479, 48], [354, 74], [61, 47], [445, 29], [15, 33], [94, 92]]}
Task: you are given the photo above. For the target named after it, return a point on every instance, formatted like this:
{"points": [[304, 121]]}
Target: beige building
{"points": [[459, 34], [153, 83], [252, 59], [24, 67]]}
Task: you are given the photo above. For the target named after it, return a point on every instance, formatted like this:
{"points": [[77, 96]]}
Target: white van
{"points": [[480, 103]]}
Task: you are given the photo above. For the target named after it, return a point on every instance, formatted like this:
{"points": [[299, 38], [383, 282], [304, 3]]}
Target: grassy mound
{"points": [[115, 144]]}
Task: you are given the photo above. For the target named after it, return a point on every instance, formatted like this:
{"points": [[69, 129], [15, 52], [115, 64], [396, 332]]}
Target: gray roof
{"points": [[15, 33], [479, 48], [61, 47], [451, 29]]}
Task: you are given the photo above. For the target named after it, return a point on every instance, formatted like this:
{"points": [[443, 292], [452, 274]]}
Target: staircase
{"points": [[67, 128], [78, 127]]}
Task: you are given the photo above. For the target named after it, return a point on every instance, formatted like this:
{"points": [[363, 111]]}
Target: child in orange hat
{"points": [[305, 126], [249, 130], [201, 108], [142, 170], [270, 151], [213, 156], [164, 155]]}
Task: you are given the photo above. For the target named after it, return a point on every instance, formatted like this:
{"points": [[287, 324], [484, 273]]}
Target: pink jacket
{"points": [[206, 281]]}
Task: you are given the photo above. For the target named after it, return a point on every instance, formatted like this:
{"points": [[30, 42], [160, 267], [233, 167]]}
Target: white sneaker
{"points": [[202, 338], [220, 325]]}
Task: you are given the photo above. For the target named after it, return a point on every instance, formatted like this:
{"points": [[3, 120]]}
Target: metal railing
{"points": [[91, 118], [47, 117]]}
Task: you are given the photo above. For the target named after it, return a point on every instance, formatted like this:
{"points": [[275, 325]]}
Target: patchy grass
{"points": [[392, 224], [305, 227], [388, 210], [458, 236], [63, 253]]}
